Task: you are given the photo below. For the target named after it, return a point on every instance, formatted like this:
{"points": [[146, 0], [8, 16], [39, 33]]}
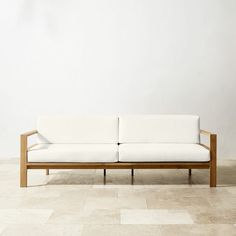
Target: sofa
{"points": [[124, 142]]}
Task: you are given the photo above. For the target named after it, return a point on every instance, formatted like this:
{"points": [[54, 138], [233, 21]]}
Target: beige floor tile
{"points": [[93, 203], [2, 228], [24, 216], [231, 189], [68, 178], [198, 230], [43, 230], [101, 216], [159, 217], [10, 202], [121, 230], [42, 191], [62, 202], [68, 202], [142, 192], [213, 215], [175, 202], [102, 193]]}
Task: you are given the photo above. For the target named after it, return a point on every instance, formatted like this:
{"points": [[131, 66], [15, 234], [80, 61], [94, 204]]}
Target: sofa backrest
{"points": [[159, 129], [78, 129]]}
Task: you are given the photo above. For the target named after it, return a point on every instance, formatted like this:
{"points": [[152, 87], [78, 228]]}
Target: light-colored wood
{"points": [[47, 171], [213, 156], [23, 157], [204, 132], [118, 165], [29, 133], [213, 168], [23, 161]]}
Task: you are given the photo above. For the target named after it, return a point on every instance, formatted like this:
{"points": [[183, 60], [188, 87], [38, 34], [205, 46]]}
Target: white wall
{"points": [[123, 56]]}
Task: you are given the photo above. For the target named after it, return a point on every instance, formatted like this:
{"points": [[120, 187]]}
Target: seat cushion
{"points": [[73, 153], [159, 129], [78, 129], [163, 153]]}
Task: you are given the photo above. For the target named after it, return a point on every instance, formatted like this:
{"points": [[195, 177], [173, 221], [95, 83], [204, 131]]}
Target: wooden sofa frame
{"points": [[25, 165]]}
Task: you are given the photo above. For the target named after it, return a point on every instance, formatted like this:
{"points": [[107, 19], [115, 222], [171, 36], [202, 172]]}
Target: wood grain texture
{"points": [[23, 156], [29, 133], [23, 161], [205, 132], [213, 156], [213, 162], [118, 165]]}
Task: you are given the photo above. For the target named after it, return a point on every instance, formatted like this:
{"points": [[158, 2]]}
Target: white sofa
{"points": [[126, 142]]}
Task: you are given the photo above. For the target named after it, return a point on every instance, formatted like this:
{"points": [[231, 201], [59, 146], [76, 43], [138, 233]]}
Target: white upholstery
{"points": [[143, 138], [73, 153], [87, 129], [160, 152], [159, 129]]}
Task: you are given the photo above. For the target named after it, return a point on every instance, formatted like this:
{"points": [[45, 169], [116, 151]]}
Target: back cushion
{"points": [[86, 129], [159, 129]]}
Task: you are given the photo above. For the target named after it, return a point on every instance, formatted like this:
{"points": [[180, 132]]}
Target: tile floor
{"points": [[158, 202]]}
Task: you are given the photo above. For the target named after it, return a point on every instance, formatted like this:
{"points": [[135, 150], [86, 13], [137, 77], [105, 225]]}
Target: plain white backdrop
{"points": [[117, 57]]}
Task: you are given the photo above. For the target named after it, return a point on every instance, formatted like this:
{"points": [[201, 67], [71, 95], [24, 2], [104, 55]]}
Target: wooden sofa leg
{"points": [[189, 172], [23, 161], [23, 176], [47, 171], [132, 172], [213, 150], [105, 172], [213, 175]]}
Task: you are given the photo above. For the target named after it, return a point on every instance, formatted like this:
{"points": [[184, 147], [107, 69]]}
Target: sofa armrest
{"points": [[213, 156], [206, 133], [24, 145], [212, 137], [23, 156], [213, 143], [29, 133]]}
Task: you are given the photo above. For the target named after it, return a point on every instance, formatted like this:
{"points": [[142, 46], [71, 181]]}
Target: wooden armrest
{"points": [[213, 143], [207, 133], [24, 144], [213, 156], [212, 137], [29, 133], [24, 156]]}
